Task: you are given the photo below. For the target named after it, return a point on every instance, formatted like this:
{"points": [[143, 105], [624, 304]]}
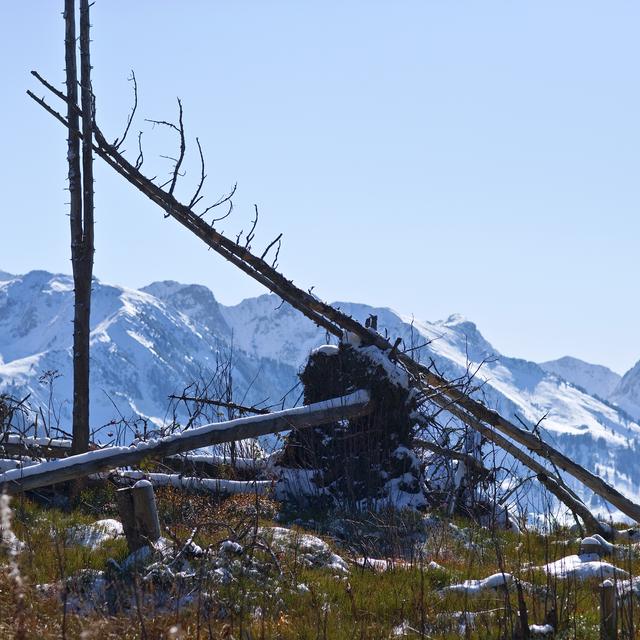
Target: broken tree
{"points": [[449, 396]]}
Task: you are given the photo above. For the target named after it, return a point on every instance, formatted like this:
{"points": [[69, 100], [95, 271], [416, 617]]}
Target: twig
{"points": [[222, 404], [118, 143], [203, 177], [178, 161], [262, 257], [251, 235]]}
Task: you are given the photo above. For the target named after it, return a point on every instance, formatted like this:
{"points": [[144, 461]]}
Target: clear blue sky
{"points": [[435, 157]]}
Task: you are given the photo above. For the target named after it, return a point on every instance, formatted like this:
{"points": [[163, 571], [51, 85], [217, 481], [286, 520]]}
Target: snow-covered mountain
{"points": [[593, 378], [601, 382], [150, 343], [142, 348], [627, 392]]}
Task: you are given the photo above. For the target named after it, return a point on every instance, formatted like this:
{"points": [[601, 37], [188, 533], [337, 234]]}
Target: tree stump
{"points": [[139, 514]]}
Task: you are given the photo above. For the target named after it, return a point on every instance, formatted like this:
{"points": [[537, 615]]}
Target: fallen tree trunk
{"points": [[587, 478], [208, 485], [211, 465], [335, 321], [47, 473], [577, 507], [15, 445]]}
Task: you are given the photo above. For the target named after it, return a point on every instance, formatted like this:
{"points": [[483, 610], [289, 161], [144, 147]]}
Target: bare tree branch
{"points": [[203, 177], [140, 158], [118, 143], [277, 240], [178, 161]]}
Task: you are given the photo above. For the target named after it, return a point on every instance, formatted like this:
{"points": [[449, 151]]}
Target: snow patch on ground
{"points": [[476, 587], [310, 550], [95, 535], [583, 567]]}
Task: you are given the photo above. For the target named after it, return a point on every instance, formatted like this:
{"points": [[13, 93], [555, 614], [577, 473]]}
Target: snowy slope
{"points": [[265, 328], [593, 378], [143, 349], [627, 392], [150, 343]]}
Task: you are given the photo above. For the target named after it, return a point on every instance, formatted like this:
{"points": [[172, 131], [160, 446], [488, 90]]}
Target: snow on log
{"points": [[17, 444], [210, 485], [212, 462], [47, 473]]}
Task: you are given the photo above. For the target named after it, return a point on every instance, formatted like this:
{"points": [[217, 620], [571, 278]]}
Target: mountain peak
{"points": [[194, 300], [627, 392], [165, 289], [596, 379], [455, 319]]}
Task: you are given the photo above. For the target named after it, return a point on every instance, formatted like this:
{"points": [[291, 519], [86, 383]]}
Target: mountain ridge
{"points": [[152, 342], [595, 378]]}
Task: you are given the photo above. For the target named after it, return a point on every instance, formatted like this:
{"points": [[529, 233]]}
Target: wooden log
{"points": [[469, 460], [608, 611], [145, 511], [138, 514], [211, 465], [192, 483], [12, 444], [333, 320], [472, 413], [47, 473], [208, 465], [575, 505], [124, 500]]}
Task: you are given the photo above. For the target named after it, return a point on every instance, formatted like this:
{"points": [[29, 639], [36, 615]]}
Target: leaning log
{"points": [[48, 473], [494, 423], [442, 391], [575, 505]]}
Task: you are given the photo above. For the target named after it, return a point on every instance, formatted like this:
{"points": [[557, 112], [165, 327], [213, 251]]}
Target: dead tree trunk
{"points": [[80, 214], [80, 379], [83, 272]]}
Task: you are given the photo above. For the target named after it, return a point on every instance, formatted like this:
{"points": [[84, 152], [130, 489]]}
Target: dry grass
{"points": [[364, 604]]}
